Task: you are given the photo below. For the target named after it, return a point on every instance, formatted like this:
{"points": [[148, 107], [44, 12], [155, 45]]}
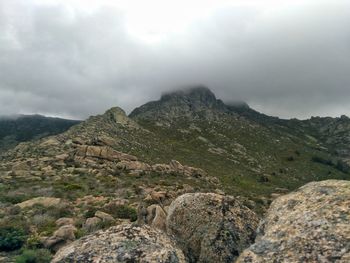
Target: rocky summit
{"points": [[186, 178]]}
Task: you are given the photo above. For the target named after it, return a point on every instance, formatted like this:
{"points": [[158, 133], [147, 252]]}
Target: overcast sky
{"points": [[78, 58]]}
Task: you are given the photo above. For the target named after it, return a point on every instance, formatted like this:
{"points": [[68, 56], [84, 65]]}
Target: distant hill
{"points": [[21, 128]]}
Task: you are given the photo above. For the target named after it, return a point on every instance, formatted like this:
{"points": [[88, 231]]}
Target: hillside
{"points": [[252, 157], [330, 134], [187, 141], [21, 128]]}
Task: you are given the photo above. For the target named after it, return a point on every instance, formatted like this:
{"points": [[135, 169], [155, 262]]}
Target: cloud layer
{"points": [[74, 59]]}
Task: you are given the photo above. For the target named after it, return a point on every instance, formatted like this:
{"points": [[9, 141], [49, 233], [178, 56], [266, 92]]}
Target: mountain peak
{"points": [[186, 102], [194, 94]]}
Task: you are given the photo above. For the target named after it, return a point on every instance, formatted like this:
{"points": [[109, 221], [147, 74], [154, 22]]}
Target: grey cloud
{"points": [[60, 61]]}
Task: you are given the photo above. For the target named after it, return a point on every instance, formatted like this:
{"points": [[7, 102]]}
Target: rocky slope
{"points": [[113, 169], [16, 129], [329, 134], [249, 152]]}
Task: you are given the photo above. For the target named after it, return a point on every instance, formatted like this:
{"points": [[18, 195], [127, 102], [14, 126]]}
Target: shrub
{"points": [[124, 212], [90, 212], [342, 166], [34, 256], [318, 159], [11, 238], [34, 242], [73, 187], [337, 164], [80, 233], [290, 158]]}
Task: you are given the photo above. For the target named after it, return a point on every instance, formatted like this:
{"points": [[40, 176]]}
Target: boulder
{"points": [[153, 215], [106, 218], [309, 225], [123, 243], [210, 227], [133, 165], [159, 196], [44, 201], [176, 165], [92, 224], [62, 236], [63, 221]]}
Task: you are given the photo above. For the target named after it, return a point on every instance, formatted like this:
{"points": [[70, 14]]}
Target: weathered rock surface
{"points": [[62, 236], [63, 221], [92, 224], [107, 218], [309, 225], [123, 243], [154, 215], [44, 201], [211, 227]]}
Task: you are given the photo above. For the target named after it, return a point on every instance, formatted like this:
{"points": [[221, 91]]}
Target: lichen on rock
{"points": [[211, 227], [123, 243], [309, 225]]}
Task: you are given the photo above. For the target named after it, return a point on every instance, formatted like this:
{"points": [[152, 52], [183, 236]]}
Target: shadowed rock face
{"points": [[211, 227], [309, 225], [124, 243]]}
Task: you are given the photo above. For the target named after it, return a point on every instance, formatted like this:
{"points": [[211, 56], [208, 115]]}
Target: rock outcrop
{"points": [[154, 215], [44, 201], [211, 227], [123, 243], [309, 225], [61, 237]]}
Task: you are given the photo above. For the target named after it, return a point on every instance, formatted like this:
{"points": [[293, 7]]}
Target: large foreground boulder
{"points": [[123, 243], [210, 227], [309, 225]]}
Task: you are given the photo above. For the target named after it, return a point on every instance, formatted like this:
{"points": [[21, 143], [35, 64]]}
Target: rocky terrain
{"points": [[309, 225], [150, 168]]}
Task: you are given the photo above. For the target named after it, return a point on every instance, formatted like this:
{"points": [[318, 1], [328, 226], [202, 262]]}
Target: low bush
{"points": [[318, 159], [34, 256], [11, 238], [337, 164], [124, 212]]}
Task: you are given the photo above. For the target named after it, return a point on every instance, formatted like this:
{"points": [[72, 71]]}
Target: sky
{"points": [[76, 58]]}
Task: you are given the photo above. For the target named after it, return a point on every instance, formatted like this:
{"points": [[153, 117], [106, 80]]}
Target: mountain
{"points": [[21, 128], [132, 167], [248, 153]]}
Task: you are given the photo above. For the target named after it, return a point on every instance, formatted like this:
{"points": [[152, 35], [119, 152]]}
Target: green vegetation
{"points": [[124, 212], [14, 130], [337, 164], [34, 256], [11, 238]]}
